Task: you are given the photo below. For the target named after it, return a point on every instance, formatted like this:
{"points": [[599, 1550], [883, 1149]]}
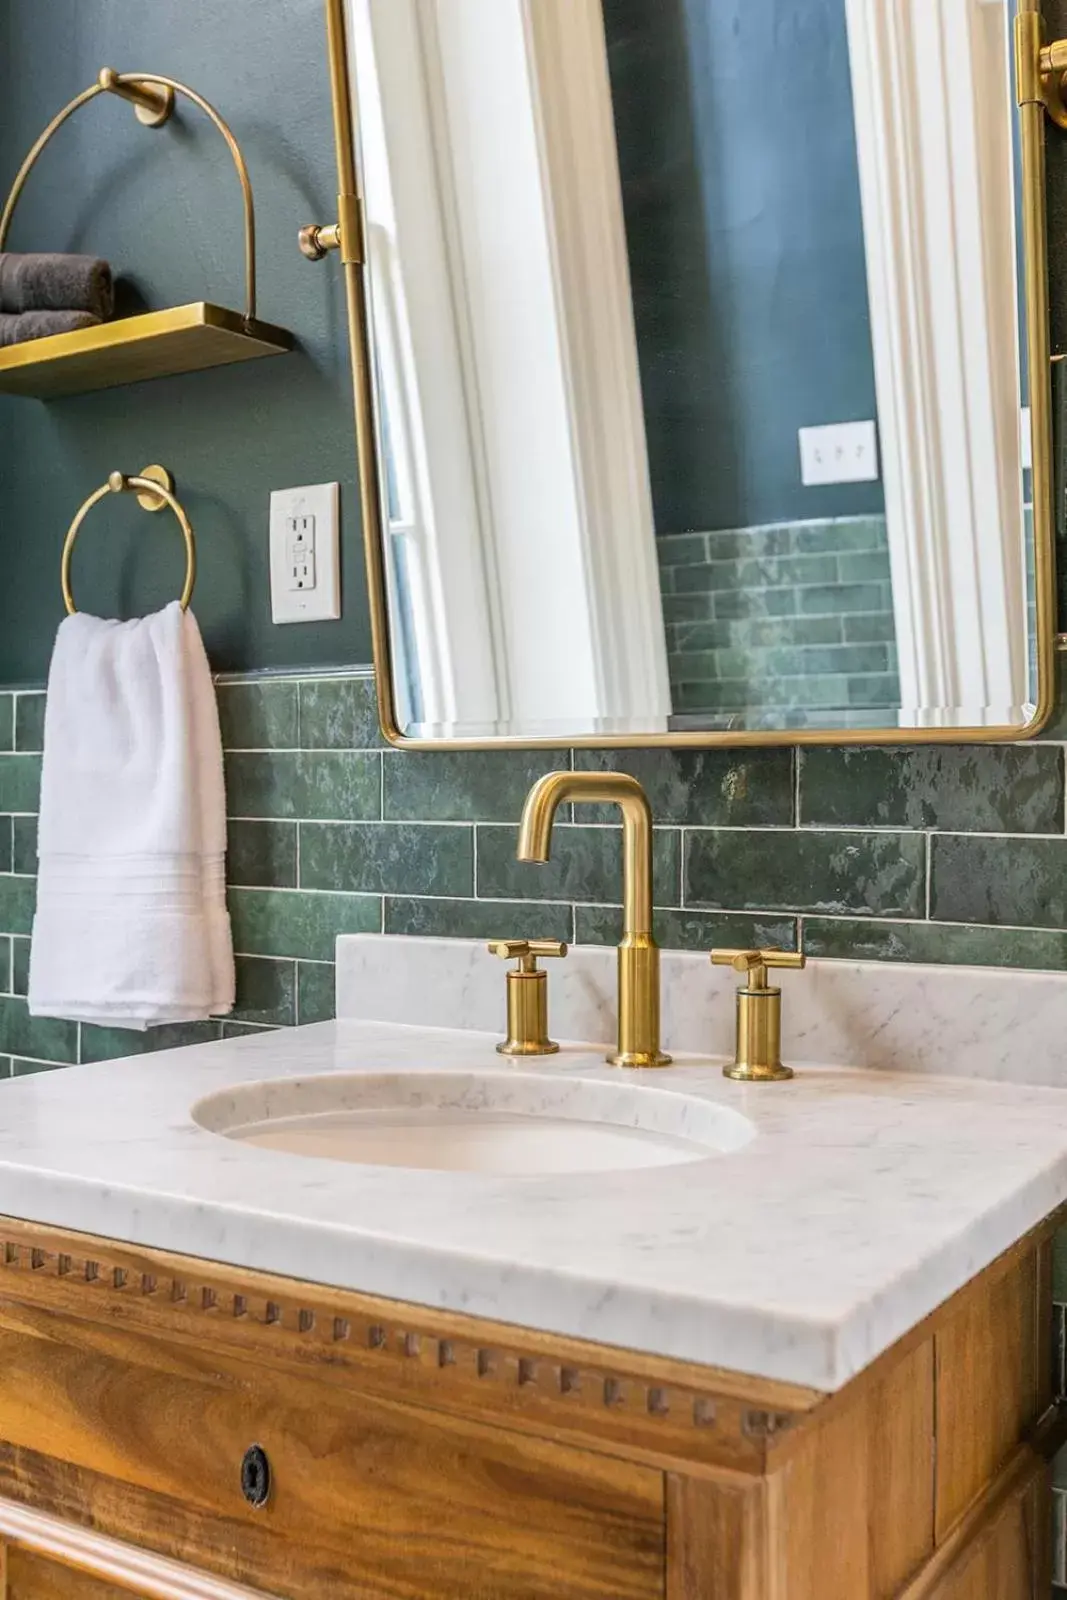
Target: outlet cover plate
{"points": [[844, 452], [315, 508]]}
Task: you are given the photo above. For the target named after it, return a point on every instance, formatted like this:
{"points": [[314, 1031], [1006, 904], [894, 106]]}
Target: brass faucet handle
{"points": [[527, 995], [527, 952], [754, 963], [759, 1014]]}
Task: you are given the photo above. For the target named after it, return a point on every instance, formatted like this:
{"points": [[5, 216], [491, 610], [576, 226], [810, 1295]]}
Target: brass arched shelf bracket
{"points": [[154, 488], [153, 96], [152, 344]]}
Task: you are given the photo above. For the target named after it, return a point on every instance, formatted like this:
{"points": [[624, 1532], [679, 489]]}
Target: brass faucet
{"points": [[638, 1044], [759, 1014]]}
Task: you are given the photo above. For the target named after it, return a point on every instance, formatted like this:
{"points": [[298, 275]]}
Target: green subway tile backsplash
{"points": [[20, 782], [999, 789], [468, 786], [288, 922], [411, 858], [261, 715], [871, 874], [342, 785], [339, 714], [949, 855], [479, 919], [586, 865], [1018, 883], [29, 721], [262, 855], [708, 788]]}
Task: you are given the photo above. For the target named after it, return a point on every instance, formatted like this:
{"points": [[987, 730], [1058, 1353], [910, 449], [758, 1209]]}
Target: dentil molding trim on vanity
{"points": [[816, 1368]]}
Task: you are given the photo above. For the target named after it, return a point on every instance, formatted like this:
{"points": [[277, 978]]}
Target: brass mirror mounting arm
{"points": [[347, 236]]}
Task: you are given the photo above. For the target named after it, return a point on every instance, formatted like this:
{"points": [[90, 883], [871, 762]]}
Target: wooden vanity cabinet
{"points": [[418, 1455]]}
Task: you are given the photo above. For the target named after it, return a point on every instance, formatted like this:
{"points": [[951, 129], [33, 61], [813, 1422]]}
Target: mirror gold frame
{"points": [[1041, 77]]}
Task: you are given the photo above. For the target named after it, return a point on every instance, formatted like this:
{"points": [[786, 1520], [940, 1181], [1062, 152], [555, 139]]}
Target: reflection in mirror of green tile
{"points": [[7, 844], [6, 965], [7, 722]]}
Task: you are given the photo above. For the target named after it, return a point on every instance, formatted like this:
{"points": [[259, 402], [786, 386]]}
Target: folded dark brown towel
{"points": [[42, 324], [56, 283]]}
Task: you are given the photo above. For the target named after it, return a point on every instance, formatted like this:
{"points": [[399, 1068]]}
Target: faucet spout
{"points": [[639, 994]]}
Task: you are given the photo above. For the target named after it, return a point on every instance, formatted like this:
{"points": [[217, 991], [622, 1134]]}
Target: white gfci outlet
{"points": [[844, 452], [305, 553]]}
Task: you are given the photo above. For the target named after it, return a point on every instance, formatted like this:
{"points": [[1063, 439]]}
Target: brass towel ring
{"points": [[153, 95], [154, 488]]}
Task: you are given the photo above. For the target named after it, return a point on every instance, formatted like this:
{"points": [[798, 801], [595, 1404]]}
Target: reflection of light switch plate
{"points": [[305, 554], [845, 452]]}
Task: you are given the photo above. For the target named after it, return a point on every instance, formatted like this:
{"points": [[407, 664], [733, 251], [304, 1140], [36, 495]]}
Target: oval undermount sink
{"points": [[512, 1124]]}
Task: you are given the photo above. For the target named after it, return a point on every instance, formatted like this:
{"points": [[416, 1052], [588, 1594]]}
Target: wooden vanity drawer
{"points": [[370, 1498]]}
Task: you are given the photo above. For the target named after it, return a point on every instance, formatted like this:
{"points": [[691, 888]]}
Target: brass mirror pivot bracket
{"points": [[1041, 69], [527, 995], [318, 239], [759, 1014]]}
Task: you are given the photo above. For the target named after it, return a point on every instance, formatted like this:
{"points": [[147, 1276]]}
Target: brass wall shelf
{"points": [[158, 344], [154, 344]]}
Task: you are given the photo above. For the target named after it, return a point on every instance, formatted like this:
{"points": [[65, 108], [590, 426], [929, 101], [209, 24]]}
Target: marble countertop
{"points": [[863, 1202]]}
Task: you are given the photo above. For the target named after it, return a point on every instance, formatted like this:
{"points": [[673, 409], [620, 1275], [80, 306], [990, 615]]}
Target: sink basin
{"points": [[513, 1124]]}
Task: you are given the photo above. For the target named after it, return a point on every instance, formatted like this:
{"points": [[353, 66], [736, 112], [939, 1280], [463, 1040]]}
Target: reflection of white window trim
{"points": [[508, 363], [421, 376], [934, 131]]}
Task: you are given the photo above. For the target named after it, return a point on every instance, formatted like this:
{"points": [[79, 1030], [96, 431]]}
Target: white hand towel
{"points": [[131, 926]]}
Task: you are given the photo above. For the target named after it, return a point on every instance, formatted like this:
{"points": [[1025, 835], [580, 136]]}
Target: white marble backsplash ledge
{"points": [[1002, 1025]]}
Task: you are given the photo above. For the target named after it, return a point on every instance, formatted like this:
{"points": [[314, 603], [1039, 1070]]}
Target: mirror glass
{"points": [[697, 348]]}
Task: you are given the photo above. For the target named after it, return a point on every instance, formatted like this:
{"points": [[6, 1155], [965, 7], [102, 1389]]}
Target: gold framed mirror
{"points": [[535, 578]]}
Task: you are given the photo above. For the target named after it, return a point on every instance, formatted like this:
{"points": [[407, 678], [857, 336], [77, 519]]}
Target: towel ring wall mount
{"points": [[154, 488]]}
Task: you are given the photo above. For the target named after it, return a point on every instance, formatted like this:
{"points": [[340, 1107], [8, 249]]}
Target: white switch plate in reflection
{"points": [[305, 553], [845, 452]]}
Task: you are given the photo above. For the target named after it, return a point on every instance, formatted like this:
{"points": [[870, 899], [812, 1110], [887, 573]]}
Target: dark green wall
{"points": [[165, 208], [742, 196]]}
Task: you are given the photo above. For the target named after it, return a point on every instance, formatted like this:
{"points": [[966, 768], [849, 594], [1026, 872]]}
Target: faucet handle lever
{"points": [[754, 963], [527, 995], [759, 1014], [527, 952]]}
